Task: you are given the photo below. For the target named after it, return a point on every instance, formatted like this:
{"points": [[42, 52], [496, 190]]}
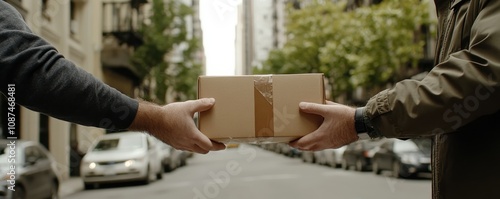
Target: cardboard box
{"points": [[259, 108]]}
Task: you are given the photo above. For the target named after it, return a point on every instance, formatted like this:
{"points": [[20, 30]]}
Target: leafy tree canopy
{"points": [[166, 59], [364, 47]]}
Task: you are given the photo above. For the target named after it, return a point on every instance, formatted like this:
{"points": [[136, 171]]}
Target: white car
{"points": [[332, 157], [170, 157], [31, 168], [119, 157]]}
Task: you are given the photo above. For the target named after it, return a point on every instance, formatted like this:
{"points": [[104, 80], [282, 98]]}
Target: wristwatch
{"points": [[359, 124]]}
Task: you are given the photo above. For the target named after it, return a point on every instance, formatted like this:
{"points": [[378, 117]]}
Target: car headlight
{"points": [[130, 162], [409, 159], [90, 165]]}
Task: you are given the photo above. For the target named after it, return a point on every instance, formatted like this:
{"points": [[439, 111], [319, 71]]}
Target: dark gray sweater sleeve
{"points": [[48, 83]]}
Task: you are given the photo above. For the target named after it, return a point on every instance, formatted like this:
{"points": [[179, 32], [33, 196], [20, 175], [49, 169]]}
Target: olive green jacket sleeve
{"points": [[463, 87]]}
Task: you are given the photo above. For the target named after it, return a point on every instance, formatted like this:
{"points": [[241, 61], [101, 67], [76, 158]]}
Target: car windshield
{"points": [[123, 143]]}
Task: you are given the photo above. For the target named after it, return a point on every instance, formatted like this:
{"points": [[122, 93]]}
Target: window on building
{"points": [[45, 10], [44, 130], [296, 4], [75, 21]]}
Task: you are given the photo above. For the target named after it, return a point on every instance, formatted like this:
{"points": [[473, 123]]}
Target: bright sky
{"points": [[218, 21]]}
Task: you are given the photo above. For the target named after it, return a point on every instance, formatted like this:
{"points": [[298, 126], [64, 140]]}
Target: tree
{"points": [[166, 60], [365, 47]]}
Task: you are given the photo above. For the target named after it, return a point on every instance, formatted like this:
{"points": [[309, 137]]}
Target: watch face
{"points": [[363, 136]]}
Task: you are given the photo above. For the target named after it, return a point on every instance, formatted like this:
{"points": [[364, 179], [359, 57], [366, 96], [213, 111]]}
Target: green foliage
{"points": [[365, 47], [161, 75]]}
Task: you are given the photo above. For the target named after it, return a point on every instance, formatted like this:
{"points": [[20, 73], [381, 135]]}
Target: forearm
{"points": [[146, 117], [454, 93], [66, 92], [463, 87]]}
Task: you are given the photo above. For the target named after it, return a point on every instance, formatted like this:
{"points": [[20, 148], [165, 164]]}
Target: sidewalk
{"points": [[70, 186]]}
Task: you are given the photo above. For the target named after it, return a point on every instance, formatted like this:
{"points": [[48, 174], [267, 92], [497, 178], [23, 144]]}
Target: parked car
{"points": [[359, 154], [313, 157], [185, 155], [170, 157], [308, 157], [270, 146], [285, 149], [119, 157], [403, 158], [330, 157], [295, 153], [36, 174]]}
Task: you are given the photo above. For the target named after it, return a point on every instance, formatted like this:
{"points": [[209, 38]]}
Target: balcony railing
{"points": [[122, 19]]}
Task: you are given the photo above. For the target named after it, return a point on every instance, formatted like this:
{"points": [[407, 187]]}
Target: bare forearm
{"points": [[145, 117]]}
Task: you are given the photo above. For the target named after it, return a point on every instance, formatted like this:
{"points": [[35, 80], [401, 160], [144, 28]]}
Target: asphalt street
{"points": [[249, 172]]}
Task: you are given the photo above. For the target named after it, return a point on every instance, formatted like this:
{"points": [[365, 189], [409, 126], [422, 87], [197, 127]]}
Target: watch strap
{"points": [[359, 122]]}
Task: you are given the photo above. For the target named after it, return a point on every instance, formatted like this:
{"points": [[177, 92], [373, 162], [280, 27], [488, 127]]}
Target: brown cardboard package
{"points": [[259, 108]]}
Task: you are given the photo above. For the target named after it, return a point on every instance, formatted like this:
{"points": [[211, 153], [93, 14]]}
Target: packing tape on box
{"points": [[263, 98]]}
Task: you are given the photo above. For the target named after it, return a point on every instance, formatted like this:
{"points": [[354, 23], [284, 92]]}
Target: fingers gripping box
{"points": [[259, 108]]}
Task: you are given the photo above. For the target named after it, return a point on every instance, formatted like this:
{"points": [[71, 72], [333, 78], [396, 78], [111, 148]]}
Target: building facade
{"points": [[260, 29], [98, 36], [70, 26]]}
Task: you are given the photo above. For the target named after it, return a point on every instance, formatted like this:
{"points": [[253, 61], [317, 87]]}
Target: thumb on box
{"points": [[313, 108], [202, 104]]}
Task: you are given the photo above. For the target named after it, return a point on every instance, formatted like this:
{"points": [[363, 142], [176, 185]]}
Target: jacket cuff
{"points": [[370, 129]]}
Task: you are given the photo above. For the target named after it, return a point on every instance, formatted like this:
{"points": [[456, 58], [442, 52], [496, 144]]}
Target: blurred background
{"points": [[156, 49]]}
